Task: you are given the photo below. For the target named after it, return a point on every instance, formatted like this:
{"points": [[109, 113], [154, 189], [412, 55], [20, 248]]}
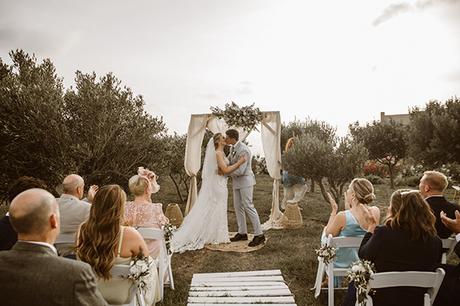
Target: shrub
{"points": [[375, 179], [371, 167]]}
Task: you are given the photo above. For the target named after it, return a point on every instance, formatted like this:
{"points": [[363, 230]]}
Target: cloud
{"points": [[394, 10]]}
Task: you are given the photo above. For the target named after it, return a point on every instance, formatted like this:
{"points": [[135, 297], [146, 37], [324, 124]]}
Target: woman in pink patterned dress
{"points": [[142, 212]]}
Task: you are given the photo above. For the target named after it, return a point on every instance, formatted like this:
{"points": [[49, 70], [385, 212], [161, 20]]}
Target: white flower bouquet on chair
{"points": [[360, 274], [169, 230], [327, 253], [139, 270]]}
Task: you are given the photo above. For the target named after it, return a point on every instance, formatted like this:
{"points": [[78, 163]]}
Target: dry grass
{"points": [[291, 251]]}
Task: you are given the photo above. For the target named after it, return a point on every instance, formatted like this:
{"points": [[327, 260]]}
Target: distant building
{"points": [[399, 118]]}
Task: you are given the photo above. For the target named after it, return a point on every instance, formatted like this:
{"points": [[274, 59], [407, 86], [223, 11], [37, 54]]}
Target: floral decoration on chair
{"points": [[327, 253], [361, 272]]}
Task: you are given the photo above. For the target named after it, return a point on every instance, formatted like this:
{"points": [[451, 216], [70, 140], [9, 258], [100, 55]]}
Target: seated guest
{"points": [[432, 186], [352, 222], [449, 293], [73, 212], [8, 235], [103, 242], [32, 273], [406, 242], [142, 212]]}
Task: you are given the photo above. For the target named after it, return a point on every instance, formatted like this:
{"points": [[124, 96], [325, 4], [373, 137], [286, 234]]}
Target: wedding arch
{"points": [[270, 129]]}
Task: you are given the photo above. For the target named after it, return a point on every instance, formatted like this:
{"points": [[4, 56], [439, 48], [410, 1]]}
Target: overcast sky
{"points": [[338, 61]]}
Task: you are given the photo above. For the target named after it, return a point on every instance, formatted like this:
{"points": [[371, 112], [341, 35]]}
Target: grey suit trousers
{"points": [[242, 201]]}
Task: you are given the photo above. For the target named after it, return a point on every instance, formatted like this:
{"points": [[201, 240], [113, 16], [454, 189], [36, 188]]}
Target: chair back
{"points": [[118, 290], [448, 245], [430, 280], [164, 260], [151, 233], [345, 242]]}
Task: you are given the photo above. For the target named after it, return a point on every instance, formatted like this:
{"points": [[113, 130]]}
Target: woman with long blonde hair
{"points": [[103, 242]]}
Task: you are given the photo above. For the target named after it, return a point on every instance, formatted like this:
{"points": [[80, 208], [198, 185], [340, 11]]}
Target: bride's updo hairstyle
{"points": [[363, 189], [216, 138]]}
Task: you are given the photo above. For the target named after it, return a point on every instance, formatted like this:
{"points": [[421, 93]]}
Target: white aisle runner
{"points": [[266, 287]]}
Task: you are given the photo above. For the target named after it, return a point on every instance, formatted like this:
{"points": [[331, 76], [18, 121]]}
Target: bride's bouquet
{"points": [[360, 274]]}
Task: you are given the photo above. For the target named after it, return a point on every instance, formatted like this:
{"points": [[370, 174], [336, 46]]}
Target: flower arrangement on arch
{"points": [[246, 117], [327, 253], [169, 230], [361, 272]]}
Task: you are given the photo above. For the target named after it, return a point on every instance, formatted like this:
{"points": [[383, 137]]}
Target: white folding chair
{"points": [[448, 244], [337, 242], [126, 292], [430, 280], [164, 259]]}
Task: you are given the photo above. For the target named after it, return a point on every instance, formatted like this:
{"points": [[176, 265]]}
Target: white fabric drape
{"points": [[271, 142], [271, 138], [192, 160]]}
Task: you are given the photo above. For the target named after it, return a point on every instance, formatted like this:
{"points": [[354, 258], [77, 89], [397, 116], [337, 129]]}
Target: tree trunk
{"points": [[390, 172], [177, 188], [323, 190], [312, 186]]}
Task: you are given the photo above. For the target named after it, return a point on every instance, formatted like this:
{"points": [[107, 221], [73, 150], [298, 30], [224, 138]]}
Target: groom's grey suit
{"points": [[243, 181]]}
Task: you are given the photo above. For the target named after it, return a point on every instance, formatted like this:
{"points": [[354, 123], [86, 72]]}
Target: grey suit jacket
{"points": [[73, 213], [243, 176], [33, 274]]}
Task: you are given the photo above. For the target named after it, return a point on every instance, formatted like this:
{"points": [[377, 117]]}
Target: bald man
{"points": [[31, 273], [432, 186], [73, 212]]}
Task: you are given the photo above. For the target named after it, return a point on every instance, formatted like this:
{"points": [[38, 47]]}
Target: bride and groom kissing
{"points": [[207, 221]]}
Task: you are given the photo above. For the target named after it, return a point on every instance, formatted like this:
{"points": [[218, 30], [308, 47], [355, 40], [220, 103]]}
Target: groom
{"points": [[243, 184]]}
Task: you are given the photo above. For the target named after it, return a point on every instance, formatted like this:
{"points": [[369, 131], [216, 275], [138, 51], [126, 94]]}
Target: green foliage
{"points": [[322, 130], [33, 138], [113, 134], [97, 129], [387, 142], [321, 155], [435, 133]]}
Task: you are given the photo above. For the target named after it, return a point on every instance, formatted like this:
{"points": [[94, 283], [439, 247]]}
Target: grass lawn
{"points": [[291, 251]]}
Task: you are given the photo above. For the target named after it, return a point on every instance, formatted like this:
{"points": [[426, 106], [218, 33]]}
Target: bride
{"points": [[207, 220]]}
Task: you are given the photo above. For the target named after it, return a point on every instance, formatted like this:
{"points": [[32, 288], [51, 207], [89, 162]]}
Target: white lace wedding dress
{"points": [[206, 223]]}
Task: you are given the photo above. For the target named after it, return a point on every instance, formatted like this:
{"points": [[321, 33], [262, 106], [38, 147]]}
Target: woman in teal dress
{"points": [[354, 220]]}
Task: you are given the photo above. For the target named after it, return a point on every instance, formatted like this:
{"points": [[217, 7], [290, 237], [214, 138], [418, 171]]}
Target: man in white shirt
{"points": [[31, 273], [73, 211]]}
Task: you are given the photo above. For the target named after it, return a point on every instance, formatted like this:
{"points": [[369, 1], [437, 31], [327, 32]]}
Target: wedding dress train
{"points": [[207, 221]]}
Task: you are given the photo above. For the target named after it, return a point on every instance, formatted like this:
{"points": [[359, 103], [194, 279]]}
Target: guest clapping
{"points": [[406, 242], [354, 221], [142, 212], [449, 293]]}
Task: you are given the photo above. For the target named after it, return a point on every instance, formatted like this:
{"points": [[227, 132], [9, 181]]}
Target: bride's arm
{"points": [[228, 169]]}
